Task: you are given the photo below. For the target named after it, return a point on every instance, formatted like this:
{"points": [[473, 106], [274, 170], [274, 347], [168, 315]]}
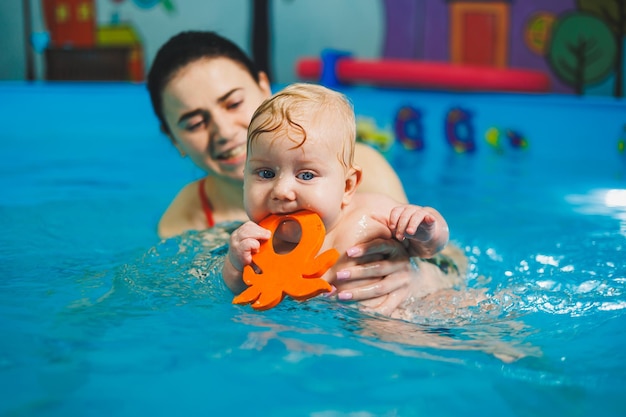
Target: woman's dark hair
{"points": [[184, 48]]}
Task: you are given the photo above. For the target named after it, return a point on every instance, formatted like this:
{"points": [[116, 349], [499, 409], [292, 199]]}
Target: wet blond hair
{"points": [[301, 103]]}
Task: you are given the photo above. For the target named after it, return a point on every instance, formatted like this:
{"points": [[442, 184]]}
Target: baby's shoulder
{"points": [[368, 209]]}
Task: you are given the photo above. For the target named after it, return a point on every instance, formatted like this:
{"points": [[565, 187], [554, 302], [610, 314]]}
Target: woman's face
{"points": [[208, 106]]}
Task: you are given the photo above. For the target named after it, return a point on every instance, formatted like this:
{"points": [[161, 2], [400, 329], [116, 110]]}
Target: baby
{"points": [[300, 156]]}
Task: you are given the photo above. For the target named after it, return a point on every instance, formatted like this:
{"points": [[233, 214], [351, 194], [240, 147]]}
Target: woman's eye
{"points": [[308, 175], [194, 126], [232, 106], [196, 123], [266, 174]]}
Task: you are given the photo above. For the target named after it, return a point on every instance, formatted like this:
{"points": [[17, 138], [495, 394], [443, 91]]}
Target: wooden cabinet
{"points": [[89, 64]]}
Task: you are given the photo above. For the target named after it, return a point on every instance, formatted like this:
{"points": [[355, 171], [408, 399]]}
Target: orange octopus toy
{"points": [[296, 273]]}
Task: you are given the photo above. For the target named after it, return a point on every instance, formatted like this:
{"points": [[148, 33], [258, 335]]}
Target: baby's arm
{"points": [[424, 227], [244, 242]]}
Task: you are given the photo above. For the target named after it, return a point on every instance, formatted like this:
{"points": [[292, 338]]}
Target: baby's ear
{"points": [[353, 179]]}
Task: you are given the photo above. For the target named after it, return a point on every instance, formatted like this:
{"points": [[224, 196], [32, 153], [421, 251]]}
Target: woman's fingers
{"points": [[380, 258], [370, 270], [377, 269], [387, 286], [384, 247], [375, 259], [391, 302]]}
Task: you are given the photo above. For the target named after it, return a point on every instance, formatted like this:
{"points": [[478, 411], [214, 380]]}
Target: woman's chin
{"points": [[233, 171]]}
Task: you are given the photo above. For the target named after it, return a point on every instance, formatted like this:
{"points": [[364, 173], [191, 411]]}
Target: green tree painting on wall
{"points": [[613, 13], [582, 50]]}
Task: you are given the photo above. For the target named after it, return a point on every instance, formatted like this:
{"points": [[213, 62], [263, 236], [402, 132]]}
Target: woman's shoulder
{"points": [[373, 203], [378, 174], [366, 153], [181, 213], [189, 195]]}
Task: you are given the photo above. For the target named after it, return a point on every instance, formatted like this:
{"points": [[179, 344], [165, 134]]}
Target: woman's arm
{"points": [[376, 259], [401, 279], [379, 258]]}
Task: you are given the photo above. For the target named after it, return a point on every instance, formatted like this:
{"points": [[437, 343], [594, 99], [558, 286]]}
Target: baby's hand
{"points": [[244, 242], [413, 222]]}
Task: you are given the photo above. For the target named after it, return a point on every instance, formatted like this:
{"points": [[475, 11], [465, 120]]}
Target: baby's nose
{"points": [[283, 189]]}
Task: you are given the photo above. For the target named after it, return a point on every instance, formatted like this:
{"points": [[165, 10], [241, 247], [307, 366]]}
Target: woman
{"points": [[204, 90]]}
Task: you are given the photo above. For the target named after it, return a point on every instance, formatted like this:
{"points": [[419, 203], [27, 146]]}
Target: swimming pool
{"points": [[100, 318]]}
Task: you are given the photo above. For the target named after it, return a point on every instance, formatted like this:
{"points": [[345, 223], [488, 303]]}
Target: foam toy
{"points": [[515, 139], [492, 136], [460, 130], [296, 273], [368, 132], [409, 128], [338, 68]]}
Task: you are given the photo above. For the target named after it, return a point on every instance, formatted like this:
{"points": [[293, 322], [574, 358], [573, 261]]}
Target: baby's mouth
{"points": [[232, 153]]}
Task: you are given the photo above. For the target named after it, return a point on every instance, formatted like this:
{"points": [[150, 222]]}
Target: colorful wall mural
{"points": [[579, 43]]}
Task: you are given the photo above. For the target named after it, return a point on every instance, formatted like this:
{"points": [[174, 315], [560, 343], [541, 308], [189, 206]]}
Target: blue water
{"points": [[98, 317]]}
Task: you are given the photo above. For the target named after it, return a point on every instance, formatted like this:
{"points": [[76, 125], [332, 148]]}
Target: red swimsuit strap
{"points": [[206, 204]]}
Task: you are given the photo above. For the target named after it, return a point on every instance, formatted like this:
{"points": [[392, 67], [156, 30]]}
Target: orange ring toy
{"points": [[297, 273]]}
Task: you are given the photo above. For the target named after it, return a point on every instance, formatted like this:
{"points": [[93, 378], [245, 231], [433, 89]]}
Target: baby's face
{"points": [[281, 178]]}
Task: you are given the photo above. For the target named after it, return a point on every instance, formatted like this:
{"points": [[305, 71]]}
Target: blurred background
{"points": [[116, 40]]}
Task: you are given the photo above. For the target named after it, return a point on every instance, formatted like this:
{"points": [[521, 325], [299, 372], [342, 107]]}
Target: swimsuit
{"points": [[445, 263], [206, 204]]}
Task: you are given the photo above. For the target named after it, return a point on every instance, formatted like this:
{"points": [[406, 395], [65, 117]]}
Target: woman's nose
{"points": [[224, 128]]}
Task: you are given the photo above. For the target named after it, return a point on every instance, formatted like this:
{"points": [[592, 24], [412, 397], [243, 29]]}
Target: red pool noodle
{"points": [[423, 74]]}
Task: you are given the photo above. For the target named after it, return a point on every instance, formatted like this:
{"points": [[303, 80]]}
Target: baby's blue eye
{"points": [[306, 176], [266, 173]]}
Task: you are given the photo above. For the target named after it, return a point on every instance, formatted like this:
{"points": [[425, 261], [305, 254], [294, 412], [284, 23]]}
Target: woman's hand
{"points": [[380, 258]]}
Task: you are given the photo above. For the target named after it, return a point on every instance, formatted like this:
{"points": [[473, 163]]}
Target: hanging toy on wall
{"points": [[409, 129], [40, 41], [115, 15], [459, 130], [148, 4]]}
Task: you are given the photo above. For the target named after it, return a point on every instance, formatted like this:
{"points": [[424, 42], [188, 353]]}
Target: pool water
{"points": [[99, 317]]}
